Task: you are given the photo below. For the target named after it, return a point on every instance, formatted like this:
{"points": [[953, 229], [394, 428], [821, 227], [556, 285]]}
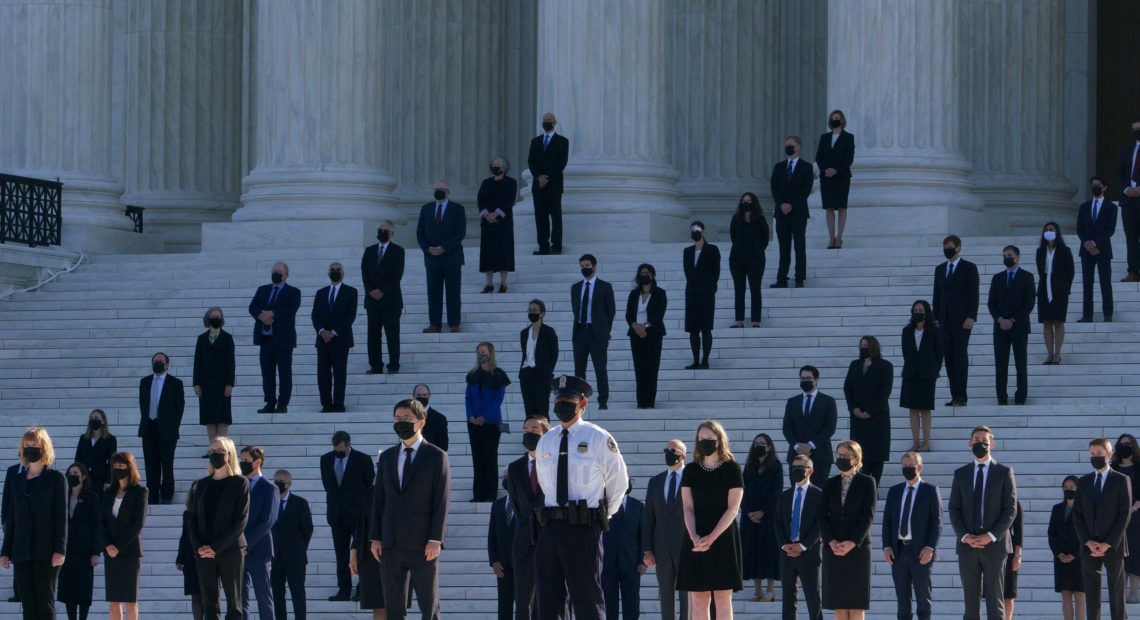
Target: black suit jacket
{"points": [[500, 534], [925, 516], [264, 500], [602, 306], [171, 403], [545, 350], [957, 299], [84, 528], [817, 427], [383, 275], [1063, 272], [96, 458], [871, 392], [284, 308], [840, 156], [662, 529], [1012, 302], [998, 507], [923, 362], [1105, 519], [621, 545], [435, 429], [749, 240], [123, 531], [1124, 174], [794, 190], [1099, 232], [293, 531], [343, 503], [9, 479], [701, 277], [409, 518], [1062, 531], [523, 501], [452, 230], [850, 520], [551, 162], [230, 519], [809, 518], [36, 524], [654, 312], [337, 318]]}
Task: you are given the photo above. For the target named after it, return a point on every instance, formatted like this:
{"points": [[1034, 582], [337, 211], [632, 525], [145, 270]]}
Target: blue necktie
{"points": [[1008, 279], [545, 141], [797, 506]]}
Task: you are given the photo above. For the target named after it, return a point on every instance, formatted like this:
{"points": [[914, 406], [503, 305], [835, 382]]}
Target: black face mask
{"points": [[1098, 462], [644, 279], [1124, 450], [789, 150], [547, 126], [807, 386], [980, 449], [834, 123], [218, 459], [918, 317], [759, 452], [282, 488], [1096, 190], [672, 458], [439, 194], [910, 473], [532, 317], [95, 424], [158, 367], [73, 480], [340, 454], [696, 235], [336, 276], [587, 272], [798, 473], [864, 353], [949, 252], [216, 322], [383, 236], [1009, 262], [530, 441], [745, 206], [707, 446], [246, 468], [565, 410], [496, 171], [119, 474], [276, 278], [423, 400], [844, 464], [1070, 493], [404, 429]]}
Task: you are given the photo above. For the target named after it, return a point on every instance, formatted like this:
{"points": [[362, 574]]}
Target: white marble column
{"points": [[893, 69], [801, 61], [182, 121], [1013, 113], [55, 110]]}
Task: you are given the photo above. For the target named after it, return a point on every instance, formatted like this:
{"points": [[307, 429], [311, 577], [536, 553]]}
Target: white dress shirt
{"points": [[531, 341], [401, 456]]}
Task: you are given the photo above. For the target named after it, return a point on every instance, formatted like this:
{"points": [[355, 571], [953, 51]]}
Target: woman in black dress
{"points": [[922, 363], [77, 577], [124, 513], [1056, 270], [496, 200], [217, 529], [746, 260], [35, 528], [868, 392], [645, 315], [363, 564], [1013, 561], [1124, 457], [1066, 549], [214, 373], [763, 481], [834, 156], [96, 445], [846, 512], [702, 271], [186, 560], [711, 491]]}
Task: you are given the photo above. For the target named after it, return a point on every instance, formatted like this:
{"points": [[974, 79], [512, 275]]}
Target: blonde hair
{"points": [[722, 450], [490, 355], [231, 465], [855, 449], [39, 435]]}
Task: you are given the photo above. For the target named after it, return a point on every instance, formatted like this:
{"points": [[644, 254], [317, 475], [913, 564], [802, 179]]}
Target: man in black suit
{"points": [[663, 528], [435, 429], [1011, 299], [797, 533], [791, 185], [260, 548], [161, 402], [809, 423], [592, 302], [912, 525], [983, 499], [956, 310], [292, 533], [1096, 223], [440, 232], [539, 345], [548, 155], [334, 311], [1101, 515], [274, 309], [382, 269], [345, 474], [622, 565], [500, 539], [1128, 175], [525, 495], [409, 514], [9, 477]]}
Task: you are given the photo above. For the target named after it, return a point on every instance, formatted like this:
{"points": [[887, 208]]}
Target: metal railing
{"points": [[30, 210], [136, 215]]}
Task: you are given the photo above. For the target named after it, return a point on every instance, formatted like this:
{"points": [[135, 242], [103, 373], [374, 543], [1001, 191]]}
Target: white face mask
{"points": [[1050, 235]]}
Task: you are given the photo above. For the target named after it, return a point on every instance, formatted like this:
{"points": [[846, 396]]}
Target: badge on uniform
{"points": [[583, 447], [546, 456], [612, 444]]}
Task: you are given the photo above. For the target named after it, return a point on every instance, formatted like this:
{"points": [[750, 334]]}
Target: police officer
{"points": [[583, 479]]}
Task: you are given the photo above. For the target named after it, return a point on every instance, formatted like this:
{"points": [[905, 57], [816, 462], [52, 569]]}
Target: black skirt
{"points": [[371, 590], [833, 191], [122, 579], [76, 580], [1055, 310], [917, 394], [1067, 576], [847, 579], [1011, 578]]}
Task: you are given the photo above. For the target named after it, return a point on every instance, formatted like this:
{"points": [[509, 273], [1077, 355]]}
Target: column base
{"points": [[322, 233], [1022, 205], [273, 195], [911, 192], [177, 218]]}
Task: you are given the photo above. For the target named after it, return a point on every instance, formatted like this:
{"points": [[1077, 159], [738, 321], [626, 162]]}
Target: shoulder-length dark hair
{"points": [[133, 478], [755, 465], [652, 276], [1060, 241], [103, 432], [85, 485], [1116, 448], [873, 345], [929, 322], [757, 211]]}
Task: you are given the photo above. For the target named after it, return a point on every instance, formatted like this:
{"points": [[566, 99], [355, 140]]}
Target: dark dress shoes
{"points": [[779, 285], [339, 596], [282, 409], [432, 329], [268, 409], [393, 368], [379, 370]]}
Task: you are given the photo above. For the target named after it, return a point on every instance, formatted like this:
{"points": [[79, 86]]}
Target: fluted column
{"points": [[801, 59], [183, 114], [892, 68], [1013, 113], [55, 109]]}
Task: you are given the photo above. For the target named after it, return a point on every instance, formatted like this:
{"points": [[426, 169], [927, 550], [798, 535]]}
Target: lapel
{"points": [[413, 467], [396, 453]]}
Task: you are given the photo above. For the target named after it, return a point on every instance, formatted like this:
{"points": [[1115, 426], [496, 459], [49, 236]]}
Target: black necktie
{"points": [[671, 496], [904, 526], [332, 295], [585, 304], [949, 271], [807, 404], [1008, 279], [790, 167], [273, 295], [380, 255], [407, 464], [1097, 488], [564, 469], [979, 494], [1095, 209]]}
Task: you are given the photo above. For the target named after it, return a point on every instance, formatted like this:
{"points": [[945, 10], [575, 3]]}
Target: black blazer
{"points": [[551, 162], [1104, 519], [452, 230], [383, 275], [524, 502], [230, 519], [654, 312], [840, 156], [923, 362], [6, 502], [545, 351], [123, 531], [435, 429], [621, 545], [701, 278], [794, 190], [214, 363], [850, 520], [1099, 232], [1124, 174], [956, 300], [1063, 272], [602, 307], [293, 531], [925, 516], [871, 392], [343, 503], [500, 534], [84, 528], [817, 427], [338, 318], [97, 459], [36, 525], [1063, 531], [171, 404], [749, 240], [810, 516], [409, 518], [284, 308], [1012, 302], [999, 504]]}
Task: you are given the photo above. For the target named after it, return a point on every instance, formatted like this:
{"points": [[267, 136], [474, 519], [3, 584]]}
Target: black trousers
{"points": [[437, 279], [806, 569], [1103, 267], [293, 575], [983, 574], [1112, 565], [591, 343], [342, 541], [956, 344], [791, 231], [35, 583], [624, 588], [667, 565], [750, 275], [396, 565], [526, 601], [505, 587], [158, 459], [909, 576], [1130, 222], [548, 220], [1018, 339], [646, 365], [535, 390], [332, 372], [226, 568], [255, 577], [484, 460], [276, 361], [873, 469], [569, 558], [387, 320]]}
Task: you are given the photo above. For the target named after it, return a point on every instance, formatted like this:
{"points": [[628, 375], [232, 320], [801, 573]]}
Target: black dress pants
{"points": [[505, 588], [1130, 222], [1018, 339], [226, 568], [35, 583], [535, 390], [548, 220], [342, 534], [590, 343], [909, 575], [1113, 567], [484, 460], [276, 361], [805, 568], [571, 560], [396, 565], [332, 372], [158, 459], [956, 344], [646, 365], [383, 322], [983, 575], [791, 231], [293, 575], [1103, 267], [750, 275]]}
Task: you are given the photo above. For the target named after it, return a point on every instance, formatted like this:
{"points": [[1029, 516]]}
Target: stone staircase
{"points": [[84, 341]]}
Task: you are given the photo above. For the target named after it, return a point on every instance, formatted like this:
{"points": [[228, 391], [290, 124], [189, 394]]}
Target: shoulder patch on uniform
{"points": [[611, 444]]}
